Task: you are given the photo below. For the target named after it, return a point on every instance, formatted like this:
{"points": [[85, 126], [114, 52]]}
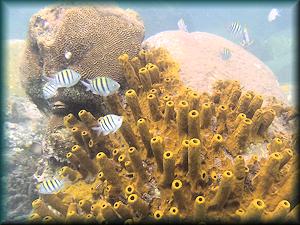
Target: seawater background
{"points": [[275, 42], [275, 45]]}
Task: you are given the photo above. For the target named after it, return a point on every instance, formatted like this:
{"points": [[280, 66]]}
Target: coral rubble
{"points": [[180, 155]]}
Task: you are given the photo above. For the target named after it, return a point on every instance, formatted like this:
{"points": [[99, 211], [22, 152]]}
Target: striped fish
{"points": [[103, 86], [50, 186], [65, 78], [226, 54], [49, 90], [235, 29], [246, 42], [109, 124]]}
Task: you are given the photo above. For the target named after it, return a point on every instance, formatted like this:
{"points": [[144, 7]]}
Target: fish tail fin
{"points": [[97, 129], [48, 79], [87, 85]]}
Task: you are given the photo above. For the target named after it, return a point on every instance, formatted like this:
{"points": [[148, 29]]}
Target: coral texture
{"points": [[201, 64], [180, 155], [87, 39]]}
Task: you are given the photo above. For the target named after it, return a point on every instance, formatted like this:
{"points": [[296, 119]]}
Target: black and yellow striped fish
{"points": [[235, 29], [109, 124], [65, 78], [103, 86], [226, 54], [50, 186], [49, 90]]}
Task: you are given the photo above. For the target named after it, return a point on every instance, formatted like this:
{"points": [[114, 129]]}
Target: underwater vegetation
{"points": [[180, 155]]}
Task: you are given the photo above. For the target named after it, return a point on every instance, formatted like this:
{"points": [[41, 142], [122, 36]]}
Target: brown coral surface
{"points": [[85, 38], [180, 155]]}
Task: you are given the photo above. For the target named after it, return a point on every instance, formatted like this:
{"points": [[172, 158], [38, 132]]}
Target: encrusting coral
{"points": [[180, 155]]}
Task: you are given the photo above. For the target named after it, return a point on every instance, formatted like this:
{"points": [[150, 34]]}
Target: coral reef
{"points": [[85, 38], [180, 155], [204, 49], [24, 130]]}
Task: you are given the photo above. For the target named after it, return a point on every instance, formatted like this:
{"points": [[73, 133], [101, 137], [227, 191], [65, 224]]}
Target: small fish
{"points": [[246, 42], [49, 90], [64, 78], [273, 14], [226, 54], [181, 25], [51, 186], [235, 29], [103, 86], [108, 124]]}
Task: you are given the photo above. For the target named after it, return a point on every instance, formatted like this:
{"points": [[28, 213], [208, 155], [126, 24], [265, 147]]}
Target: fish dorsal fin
{"points": [[181, 25]]}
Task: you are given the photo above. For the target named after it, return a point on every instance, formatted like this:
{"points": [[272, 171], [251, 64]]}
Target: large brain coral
{"points": [[87, 39], [201, 64], [179, 156]]}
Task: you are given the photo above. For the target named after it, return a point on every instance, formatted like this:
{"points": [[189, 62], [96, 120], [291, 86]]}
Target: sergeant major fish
{"points": [[235, 29], [49, 90], [51, 186], [226, 54], [65, 78], [103, 86], [246, 39], [108, 124]]}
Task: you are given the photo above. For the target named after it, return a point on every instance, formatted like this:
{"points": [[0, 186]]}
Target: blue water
{"points": [[274, 42]]}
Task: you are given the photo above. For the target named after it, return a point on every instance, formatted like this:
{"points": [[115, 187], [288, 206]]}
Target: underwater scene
{"points": [[161, 112]]}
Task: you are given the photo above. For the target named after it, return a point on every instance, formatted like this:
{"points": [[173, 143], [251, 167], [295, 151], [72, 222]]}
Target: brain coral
{"points": [[201, 64], [95, 35], [179, 156]]}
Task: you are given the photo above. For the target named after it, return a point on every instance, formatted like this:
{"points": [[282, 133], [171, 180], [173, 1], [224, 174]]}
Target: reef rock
{"points": [[24, 128], [198, 54], [85, 38]]}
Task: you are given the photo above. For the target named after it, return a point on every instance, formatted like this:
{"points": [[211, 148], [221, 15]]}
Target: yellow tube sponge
{"points": [[243, 103], [276, 145], [143, 129], [182, 117], [194, 100], [157, 146], [133, 102], [154, 72], [138, 205], [254, 211], [280, 212], [108, 168], [138, 164], [84, 159], [153, 104], [169, 112], [194, 124], [199, 211], [123, 210], [128, 134], [205, 115], [178, 194], [223, 191], [145, 78], [255, 104], [194, 159], [216, 142], [169, 168], [267, 175], [183, 152]]}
